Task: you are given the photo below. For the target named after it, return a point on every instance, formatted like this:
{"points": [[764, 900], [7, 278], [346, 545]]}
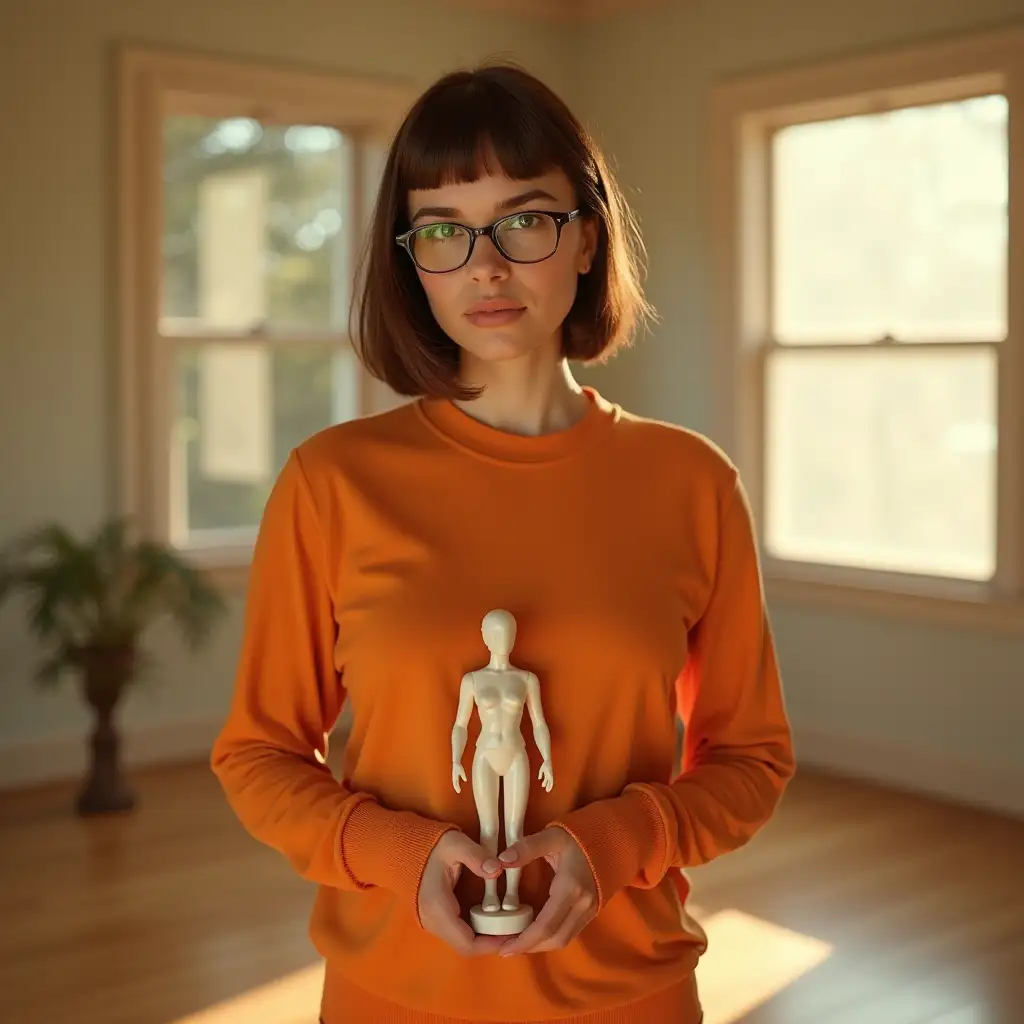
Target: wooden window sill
{"points": [[880, 595]]}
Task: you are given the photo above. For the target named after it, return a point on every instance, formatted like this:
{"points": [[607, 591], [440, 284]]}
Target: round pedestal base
{"points": [[500, 922]]}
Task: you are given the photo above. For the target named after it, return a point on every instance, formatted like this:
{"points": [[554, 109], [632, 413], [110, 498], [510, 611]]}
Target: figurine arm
{"points": [[287, 695], [460, 731], [738, 750], [541, 733]]}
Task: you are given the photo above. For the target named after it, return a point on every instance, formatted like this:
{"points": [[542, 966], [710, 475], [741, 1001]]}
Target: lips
{"points": [[493, 306], [494, 313]]}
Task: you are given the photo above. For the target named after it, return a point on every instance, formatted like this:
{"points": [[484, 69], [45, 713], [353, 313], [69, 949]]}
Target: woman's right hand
{"points": [[458, 772], [438, 908]]}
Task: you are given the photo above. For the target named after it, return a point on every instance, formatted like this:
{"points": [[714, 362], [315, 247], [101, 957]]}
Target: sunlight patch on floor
{"points": [[748, 961], [293, 999]]}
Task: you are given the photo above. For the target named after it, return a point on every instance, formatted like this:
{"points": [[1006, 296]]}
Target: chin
{"points": [[497, 346], [500, 344]]}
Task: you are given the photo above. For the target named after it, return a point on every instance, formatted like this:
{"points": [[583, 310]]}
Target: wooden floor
{"points": [[854, 906]]}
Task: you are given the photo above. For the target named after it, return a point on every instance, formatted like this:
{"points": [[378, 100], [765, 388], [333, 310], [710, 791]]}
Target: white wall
{"points": [[917, 704], [57, 322], [910, 702]]}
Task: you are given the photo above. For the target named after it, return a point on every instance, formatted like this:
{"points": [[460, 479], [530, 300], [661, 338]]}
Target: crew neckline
{"points": [[457, 427]]}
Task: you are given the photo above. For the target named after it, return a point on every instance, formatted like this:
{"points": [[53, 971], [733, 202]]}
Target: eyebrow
{"points": [[506, 204]]}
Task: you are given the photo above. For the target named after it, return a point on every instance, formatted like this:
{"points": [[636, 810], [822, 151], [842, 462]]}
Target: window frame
{"points": [[744, 112], [152, 82]]}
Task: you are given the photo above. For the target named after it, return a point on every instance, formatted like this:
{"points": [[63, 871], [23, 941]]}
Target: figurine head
{"points": [[499, 631]]}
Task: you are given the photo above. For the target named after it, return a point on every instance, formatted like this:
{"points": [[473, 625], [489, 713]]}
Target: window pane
{"points": [[257, 226], [241, 409], [893, 223], [884, 460]]}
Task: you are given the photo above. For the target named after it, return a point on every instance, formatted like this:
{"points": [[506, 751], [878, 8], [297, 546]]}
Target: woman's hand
{"points": [[572, 899], [458, 772], [438, 908], [546, 776]]}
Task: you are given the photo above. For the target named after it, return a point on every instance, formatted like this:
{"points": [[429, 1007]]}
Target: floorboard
{"points": [[856, 905]]}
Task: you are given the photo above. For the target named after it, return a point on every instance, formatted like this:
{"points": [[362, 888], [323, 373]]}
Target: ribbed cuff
{"points": [[381, 847], [623, 839]]}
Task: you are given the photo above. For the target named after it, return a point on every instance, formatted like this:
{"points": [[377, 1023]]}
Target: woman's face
{"points": [[495, 309]]}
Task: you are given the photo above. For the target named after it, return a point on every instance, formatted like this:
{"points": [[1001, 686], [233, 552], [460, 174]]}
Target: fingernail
{"points": [[508, 856], [490, 865]]}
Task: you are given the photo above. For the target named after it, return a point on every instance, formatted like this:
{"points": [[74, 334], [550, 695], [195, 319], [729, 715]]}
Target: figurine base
{"points": [[500, 922]]}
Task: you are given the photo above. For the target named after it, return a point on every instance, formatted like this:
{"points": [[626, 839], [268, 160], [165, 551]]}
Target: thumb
{"points": [[529, 848], [473, 856]]}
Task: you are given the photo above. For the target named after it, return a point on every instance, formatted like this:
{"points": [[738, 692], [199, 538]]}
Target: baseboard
{"points": [[64, 756], [992, 786]]}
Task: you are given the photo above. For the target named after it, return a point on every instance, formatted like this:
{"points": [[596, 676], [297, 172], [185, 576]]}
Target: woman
{"points": [[623, 547]]}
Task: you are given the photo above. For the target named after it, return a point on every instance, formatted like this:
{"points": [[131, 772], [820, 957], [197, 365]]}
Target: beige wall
{"points": [[909, 701], [875, 693], [57, 327]]}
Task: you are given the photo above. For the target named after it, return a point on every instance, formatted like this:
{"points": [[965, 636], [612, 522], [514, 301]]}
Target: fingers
{"points": [[543, 927], [446, 923], [441, 916], [439, 909], [462, 850], [568, 908], [486, 945], [532, 847], [572, 924]]}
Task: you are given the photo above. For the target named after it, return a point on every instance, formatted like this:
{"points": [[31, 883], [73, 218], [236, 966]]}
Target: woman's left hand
{"points": [[572, 899]]}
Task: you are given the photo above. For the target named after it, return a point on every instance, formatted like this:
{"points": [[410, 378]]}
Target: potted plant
{"points": [[91, 602]]}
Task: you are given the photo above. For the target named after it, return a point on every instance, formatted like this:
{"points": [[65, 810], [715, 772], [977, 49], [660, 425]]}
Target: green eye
{"points": [[523, 221], [439, 232]]}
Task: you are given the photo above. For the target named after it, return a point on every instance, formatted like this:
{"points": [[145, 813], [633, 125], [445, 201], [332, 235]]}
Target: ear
{"points": [[588, 245]]}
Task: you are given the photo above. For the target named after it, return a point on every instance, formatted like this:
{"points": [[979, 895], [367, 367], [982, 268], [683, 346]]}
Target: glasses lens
{"points": [[440, 247], [528, 236]]}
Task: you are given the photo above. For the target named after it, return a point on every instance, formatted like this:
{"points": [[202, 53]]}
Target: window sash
{"points": [[221, 546], [810, 569], [152, 85], [1008, 582], [744, 115]]}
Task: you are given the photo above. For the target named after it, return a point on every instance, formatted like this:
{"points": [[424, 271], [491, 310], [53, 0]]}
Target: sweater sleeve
{"points": [[287, 696], [737, 752]]}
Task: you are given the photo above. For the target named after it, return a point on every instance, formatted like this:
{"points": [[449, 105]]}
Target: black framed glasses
{"points": [[529, 236]]}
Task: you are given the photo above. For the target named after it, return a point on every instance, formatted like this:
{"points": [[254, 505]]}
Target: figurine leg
{"points": [[517, 785], [485, 792]]}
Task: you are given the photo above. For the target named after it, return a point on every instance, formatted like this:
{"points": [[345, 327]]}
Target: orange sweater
{"points": [[624, 549]]}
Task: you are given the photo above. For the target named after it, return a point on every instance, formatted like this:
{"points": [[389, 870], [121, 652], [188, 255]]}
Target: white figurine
{"points": [[500, 691]]}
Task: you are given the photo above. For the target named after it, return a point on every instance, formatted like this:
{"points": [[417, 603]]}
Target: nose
{"points": [[487, 262]]}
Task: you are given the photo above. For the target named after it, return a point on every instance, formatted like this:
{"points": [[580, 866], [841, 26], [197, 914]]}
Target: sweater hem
{"points": [[344, 1002]]}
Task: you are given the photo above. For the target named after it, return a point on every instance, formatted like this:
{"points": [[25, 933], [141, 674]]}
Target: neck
{"points": [[499, 661], [532, 395]]}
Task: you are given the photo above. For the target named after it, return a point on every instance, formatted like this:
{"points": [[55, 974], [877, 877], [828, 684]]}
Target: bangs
{"points": [[468, 129]]}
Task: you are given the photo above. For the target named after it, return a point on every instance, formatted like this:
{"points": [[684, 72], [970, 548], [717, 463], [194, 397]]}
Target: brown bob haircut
{"points": [[453, 133]]}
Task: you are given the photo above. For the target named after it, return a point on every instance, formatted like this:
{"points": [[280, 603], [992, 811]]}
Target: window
{"points": [[245, 196], [869, 346]]}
